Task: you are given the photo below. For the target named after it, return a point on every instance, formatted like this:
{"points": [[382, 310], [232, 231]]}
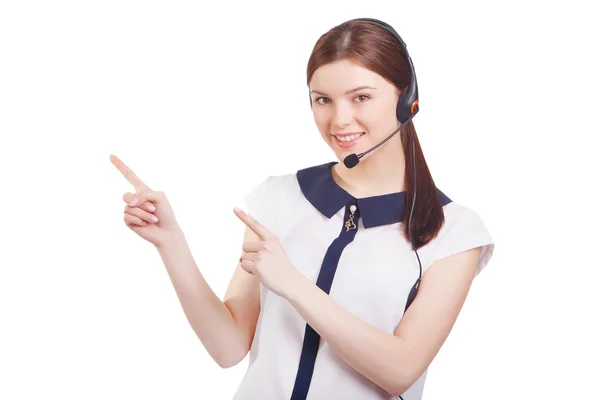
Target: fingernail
{"points": [[154, 218], [133, 202], [151, 208]]}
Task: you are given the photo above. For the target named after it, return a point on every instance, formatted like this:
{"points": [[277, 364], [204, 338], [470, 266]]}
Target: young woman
{"points": [[353, 272]]}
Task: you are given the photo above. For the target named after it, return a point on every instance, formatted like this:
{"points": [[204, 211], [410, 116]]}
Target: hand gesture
{"points": [[147, 212], [266, 259]]}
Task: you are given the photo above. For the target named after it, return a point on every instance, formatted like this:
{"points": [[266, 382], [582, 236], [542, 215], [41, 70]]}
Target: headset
{"points": [[406, 108]]}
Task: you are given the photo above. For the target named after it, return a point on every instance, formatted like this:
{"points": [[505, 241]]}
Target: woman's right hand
{"points": [[147, 212]]}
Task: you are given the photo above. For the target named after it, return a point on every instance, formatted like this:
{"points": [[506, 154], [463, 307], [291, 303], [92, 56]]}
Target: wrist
{"points": [[173, 239], [297, 284]]}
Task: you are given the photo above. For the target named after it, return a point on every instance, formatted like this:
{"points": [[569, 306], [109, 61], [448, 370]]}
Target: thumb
{"points": [[147, 195]]}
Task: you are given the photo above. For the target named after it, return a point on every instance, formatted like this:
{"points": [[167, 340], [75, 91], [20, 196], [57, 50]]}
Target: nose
{"points": [[343, 115]]}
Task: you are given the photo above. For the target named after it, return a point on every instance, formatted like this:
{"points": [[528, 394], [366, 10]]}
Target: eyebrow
{"points": [[348, 91]]}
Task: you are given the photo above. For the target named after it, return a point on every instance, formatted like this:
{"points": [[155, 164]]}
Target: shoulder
{"points": [[463, 229], [458, 215], [294, 185], [282, 187], [271, 185], [270, 197]]}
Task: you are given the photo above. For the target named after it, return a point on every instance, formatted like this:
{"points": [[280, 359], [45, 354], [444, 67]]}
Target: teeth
{"points": [[348, 138]]}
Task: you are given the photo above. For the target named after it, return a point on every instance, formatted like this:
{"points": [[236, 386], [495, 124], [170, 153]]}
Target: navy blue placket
{"points": [[310, 345]]}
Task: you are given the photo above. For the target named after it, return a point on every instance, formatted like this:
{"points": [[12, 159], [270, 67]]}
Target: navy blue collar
{"points": [[328, 197]]}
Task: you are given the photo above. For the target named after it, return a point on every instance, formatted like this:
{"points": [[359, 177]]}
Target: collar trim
{"points": [[319, 188]]}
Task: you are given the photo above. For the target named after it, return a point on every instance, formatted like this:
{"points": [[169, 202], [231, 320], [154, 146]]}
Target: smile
{"points": [[346, 141]]}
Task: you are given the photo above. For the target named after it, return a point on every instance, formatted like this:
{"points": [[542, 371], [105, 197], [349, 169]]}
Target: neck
{"points": [[379, 172]]}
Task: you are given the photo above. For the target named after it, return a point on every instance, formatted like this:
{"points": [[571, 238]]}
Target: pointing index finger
{"points": [[127, 173], [253, 224]]}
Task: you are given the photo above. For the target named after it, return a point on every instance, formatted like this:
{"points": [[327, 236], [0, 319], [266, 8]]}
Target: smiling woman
{"points": [[338, 278], [352, 293]]}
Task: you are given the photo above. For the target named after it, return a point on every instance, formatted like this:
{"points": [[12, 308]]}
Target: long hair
{"points": [[375, 49]]}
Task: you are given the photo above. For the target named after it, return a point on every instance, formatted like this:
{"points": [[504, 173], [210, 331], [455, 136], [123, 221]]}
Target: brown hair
{"points": [[374, 48]]}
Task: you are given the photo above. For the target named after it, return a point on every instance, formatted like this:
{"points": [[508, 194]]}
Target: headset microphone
{"points": [[352, 160]]}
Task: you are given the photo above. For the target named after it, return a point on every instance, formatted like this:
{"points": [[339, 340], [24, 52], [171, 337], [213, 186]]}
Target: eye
{"points": [[364, 97]]}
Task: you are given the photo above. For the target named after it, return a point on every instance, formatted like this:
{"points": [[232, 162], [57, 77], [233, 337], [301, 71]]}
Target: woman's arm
{"points": [[392, 361], [209, 317]]}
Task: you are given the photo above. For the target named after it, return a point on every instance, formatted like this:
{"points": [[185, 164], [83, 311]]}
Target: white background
{"points": [[203, 102]]}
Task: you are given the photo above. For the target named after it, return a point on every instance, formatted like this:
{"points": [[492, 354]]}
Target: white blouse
{"points": [[368, 268]]}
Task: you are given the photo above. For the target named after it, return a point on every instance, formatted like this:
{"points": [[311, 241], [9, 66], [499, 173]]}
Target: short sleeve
{"points": [[257, 201], [466, 231]]}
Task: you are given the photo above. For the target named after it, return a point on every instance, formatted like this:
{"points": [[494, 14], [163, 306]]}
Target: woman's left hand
{"points": [[266, 258]]}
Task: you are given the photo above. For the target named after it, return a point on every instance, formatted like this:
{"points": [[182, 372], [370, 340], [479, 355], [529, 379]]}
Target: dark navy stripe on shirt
{"points": [[310, 345]]}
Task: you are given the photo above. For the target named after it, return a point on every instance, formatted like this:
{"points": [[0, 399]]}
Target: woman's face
{"points": [[339, 110]]}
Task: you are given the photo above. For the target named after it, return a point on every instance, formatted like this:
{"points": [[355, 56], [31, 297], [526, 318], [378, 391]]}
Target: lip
{"points": [[347, 145], [345, 134]]}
